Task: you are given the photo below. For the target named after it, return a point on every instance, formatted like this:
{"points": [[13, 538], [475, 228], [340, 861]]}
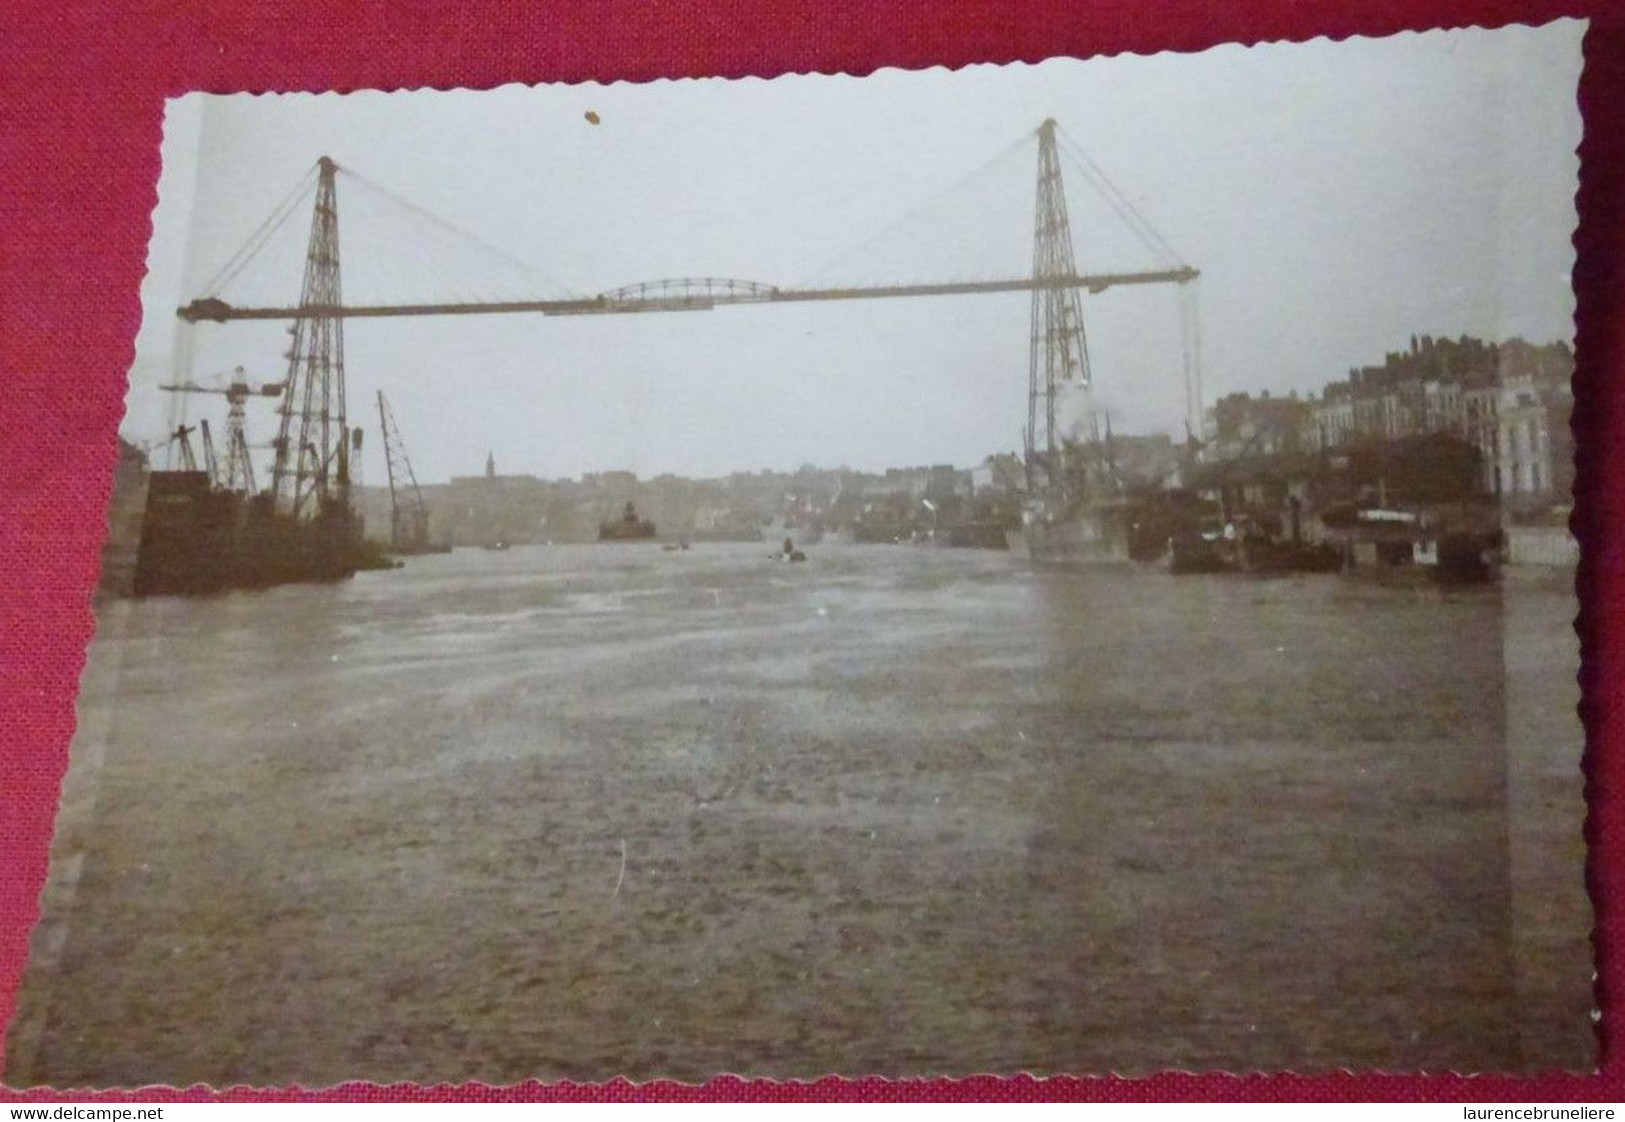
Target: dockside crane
{"points": [[236, 473], [182, 436], [408, 514]]}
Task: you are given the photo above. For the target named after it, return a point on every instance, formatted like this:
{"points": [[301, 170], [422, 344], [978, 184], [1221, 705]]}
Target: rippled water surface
{"points": [[583, 811]]}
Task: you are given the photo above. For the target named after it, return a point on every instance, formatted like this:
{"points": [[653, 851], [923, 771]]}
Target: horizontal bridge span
{"points": [[689, 287], [683, 295]]}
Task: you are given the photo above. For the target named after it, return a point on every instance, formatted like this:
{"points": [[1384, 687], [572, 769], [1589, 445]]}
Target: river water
{"points": [[573, 812]]}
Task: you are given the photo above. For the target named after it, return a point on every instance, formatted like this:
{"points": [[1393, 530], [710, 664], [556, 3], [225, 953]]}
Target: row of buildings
{"points": [[1511, 401], [1508, 401], [479, 509]]}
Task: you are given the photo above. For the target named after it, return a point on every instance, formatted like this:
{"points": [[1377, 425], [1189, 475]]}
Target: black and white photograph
{"points": [[1058, 568]]}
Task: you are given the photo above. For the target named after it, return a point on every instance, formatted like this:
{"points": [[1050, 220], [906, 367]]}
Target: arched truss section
{"points": [[671, 293]]}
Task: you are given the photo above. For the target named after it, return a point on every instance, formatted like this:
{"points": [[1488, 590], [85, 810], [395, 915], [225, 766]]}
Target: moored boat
{"points": [[198, 539], [627, 528], [1086, 536], [1405, 545]]}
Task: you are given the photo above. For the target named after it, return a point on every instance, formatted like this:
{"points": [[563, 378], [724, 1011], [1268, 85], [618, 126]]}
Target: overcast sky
{"points": [[1337, 197]]}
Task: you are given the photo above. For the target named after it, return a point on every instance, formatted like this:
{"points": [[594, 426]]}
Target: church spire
{"points": [[490, 466]]}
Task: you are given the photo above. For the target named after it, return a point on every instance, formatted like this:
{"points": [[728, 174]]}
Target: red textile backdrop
{"points": [[81, 90]]}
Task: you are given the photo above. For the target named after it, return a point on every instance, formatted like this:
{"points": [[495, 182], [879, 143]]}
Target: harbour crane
{"points": [[182, 438], [408, 514], [236, 473]]}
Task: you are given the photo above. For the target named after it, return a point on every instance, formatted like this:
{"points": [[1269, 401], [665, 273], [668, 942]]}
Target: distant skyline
{"points": [[1338, 198]]}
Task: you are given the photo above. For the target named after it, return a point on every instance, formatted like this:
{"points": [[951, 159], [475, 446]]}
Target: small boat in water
{"points": [[627, 528], [788, 553]]}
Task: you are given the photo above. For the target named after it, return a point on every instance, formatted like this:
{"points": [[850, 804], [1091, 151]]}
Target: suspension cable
{"points": [[1142, 228], [933, 200], [260, 237], [1142, 233], [1190, 345], [455, 230]]}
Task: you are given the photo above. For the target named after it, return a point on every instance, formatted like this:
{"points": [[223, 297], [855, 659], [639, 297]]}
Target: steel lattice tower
{"points": [[239, 471], [1059, 354], [312, 451]]}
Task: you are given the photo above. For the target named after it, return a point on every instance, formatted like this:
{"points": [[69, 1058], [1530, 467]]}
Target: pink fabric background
{"points": [[81, 88]]}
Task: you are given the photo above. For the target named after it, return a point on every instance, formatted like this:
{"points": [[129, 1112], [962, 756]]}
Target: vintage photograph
{"points": [[1055, 568]]}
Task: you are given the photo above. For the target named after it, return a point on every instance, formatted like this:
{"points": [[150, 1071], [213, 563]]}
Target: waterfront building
{"points": [[478, 509], [1329, 420], [944, 481], [1002, 473], [1533, 465], [1240, 424], [1442, 406], [1510, 400]]}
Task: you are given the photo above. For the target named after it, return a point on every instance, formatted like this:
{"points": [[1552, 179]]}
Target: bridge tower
{"points": [[311, 465], [1058, 356]]}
